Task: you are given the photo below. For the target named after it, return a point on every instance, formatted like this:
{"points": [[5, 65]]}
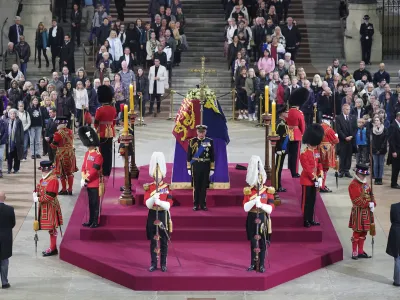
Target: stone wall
{"points": [[8, 10]]}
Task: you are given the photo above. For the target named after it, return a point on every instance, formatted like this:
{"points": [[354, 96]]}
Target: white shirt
{"points": [[54, 32], [127, 59], [358, 113], [81, 98], [346, 117], [168, 52], [17, 26]]}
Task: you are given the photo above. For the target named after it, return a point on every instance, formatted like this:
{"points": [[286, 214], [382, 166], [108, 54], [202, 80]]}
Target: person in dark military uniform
{"points": [[281, 146], [366, 33], [200, 165]]}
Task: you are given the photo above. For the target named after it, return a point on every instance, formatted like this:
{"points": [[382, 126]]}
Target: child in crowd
{"points": [[362, 142]]}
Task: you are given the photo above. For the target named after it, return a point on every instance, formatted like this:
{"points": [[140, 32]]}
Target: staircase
{"points": [[204, 31]]}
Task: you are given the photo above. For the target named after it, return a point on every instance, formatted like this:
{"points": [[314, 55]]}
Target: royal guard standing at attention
{"points": [[362, 213], [200, 165], [104, 122], [258, 203], [65, 162], [296, 127], [50, 216], [92, 177], [327, 150], [158, 200], [311, 176], [281, 146]]}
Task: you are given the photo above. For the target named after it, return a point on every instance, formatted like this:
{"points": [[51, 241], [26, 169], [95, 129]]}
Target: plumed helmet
{"points": [[104, 94], [157, 160], [298, 97], [254, 169], [313, 135], [88, 136]]}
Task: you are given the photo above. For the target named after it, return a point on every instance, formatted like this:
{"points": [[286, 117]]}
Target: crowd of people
{"points": [[138, 54]]}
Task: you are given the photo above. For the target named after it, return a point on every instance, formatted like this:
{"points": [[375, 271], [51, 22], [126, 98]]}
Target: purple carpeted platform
{"points": [[211, 245]]}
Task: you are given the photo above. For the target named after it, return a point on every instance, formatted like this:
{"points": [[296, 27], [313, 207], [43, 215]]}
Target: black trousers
{"points": [[345, 153], [52, 154], [163, 249], [308, 202], [280, 160], [261, 255], [308, 118], [293, 160], [61, 10], [395, 170], [55, 51], [201, 180], [293, 51], [93, 197], [76, 32], [39, 55], [366, 46], [45, 144], [13, 157], [154, 97], [106, 152], [119, 5]]}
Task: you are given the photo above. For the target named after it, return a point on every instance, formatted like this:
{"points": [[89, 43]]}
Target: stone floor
{"points": [[32, 276]]}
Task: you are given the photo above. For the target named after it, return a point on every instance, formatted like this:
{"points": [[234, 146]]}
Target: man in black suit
{"points": [[345, 130], [51, 128], [67, 52], [76, 19], [56, 40], [128, 57], [15, 31], [65, 76], [7, 223], [61, 10], [393, 244], [394, 150]]}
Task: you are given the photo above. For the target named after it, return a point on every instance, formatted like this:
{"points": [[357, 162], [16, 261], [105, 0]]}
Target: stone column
{"points": [[352, 44], [35, 11]]}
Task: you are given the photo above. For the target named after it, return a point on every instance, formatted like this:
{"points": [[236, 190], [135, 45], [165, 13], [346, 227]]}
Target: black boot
{"points": [[262, 261], [153, 256], [252, 266], [164, 254]]}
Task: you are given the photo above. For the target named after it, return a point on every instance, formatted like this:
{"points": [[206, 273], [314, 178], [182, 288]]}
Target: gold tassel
{"points": [[36, 225], [101, 186], [372, 230], [170, 223]]}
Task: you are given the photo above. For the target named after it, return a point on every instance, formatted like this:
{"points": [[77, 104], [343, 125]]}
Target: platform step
{"points": [[221, 234]]}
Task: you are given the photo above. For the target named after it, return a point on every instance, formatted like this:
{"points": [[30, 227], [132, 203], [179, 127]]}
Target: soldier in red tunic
{"points": [[104, 122], [296, 128], [158, 200], [65, 162], [327, 150], [361, 216], [91, 173], [50, 216], [311, 176], [258, 202]]}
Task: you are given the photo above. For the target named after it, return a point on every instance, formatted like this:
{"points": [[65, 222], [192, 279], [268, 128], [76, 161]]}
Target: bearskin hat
{"points": [[298, 97], [313, 135], [88, 136], [104, 94]]}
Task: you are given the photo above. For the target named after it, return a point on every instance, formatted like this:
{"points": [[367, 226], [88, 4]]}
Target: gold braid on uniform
{"points": [[247, 191]]}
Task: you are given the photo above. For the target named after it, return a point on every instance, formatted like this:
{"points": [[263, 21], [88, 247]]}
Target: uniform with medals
{"points": [[311, 176], [50, 216], [200, 165], [296, 126], [361, 216], [104, 122], [92, 176], [281, 146], [257, 198], [327, 150], [158, 200], [366, 33], [65, 162]]}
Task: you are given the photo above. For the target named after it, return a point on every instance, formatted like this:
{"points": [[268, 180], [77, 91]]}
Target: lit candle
{"points": [[273, 117], [131, 98], [266, 99], [126, 131]]}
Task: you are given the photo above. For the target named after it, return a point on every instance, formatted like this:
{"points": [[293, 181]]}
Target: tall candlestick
{"points": [[126, 131], [266, 99], [131, 98], [273, 117]]}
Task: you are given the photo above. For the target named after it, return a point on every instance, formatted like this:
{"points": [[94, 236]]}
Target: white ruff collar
{"points": [[47, 175]]}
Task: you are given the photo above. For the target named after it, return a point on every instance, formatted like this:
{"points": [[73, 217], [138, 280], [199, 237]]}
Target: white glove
{"points": [[211, 173], [157, 201], [319, 182], [279, 152], [267, 208], [190, 173], [156, 196], [372, 209], [371, 205], [35, 197], [258, 201], [83, 183], [336, 135]]}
